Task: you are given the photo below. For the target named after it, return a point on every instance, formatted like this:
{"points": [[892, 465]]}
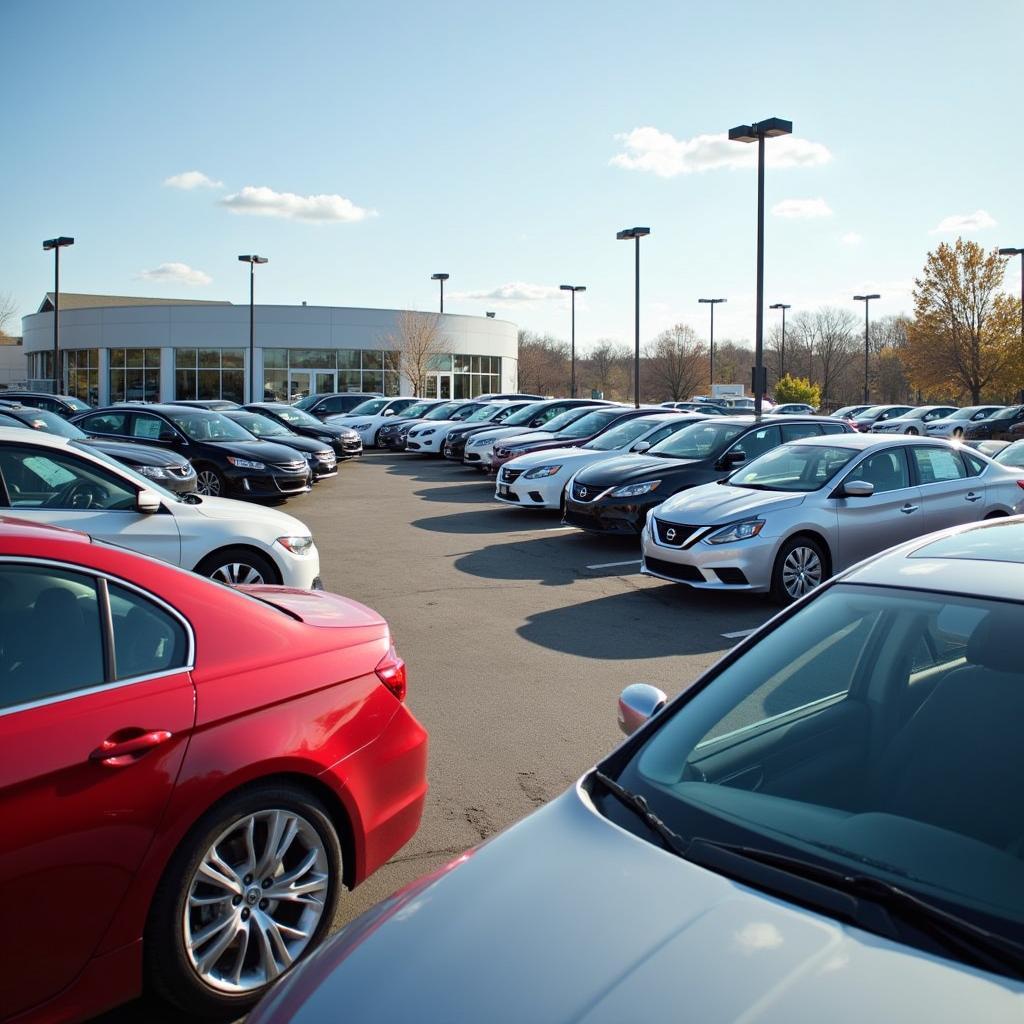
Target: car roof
{"points": [[862, 442], [165, 409], [769, 418], [11, 527], [35, 437], [979, 560]]}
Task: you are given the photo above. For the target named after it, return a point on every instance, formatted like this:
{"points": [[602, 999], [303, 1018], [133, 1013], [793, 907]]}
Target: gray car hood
{"points": [[720, 503], [569, 918]]}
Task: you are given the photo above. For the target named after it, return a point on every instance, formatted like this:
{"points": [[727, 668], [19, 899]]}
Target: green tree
{"points": [[797, 389]]}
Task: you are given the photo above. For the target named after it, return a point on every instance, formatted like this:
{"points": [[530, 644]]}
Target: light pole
{"points": [[782, 352], [572, 289], [252, 261], [866, 299], [1018, 252], [442, 278], [56, 244], [769, 129], [625, 235], [711, 345]]}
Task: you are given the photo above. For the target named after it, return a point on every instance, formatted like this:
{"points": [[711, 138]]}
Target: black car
{"points": [[344, 440], [510, 398], [228, 460], [335, 403], [216, 404], [63, 405], [168, 469], [996, 427], [319, 454], [614, 495], [395, 434], [455, 442]]}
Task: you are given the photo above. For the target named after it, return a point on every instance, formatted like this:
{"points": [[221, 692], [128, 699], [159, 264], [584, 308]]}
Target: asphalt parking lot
{"points": [[519, 634]]}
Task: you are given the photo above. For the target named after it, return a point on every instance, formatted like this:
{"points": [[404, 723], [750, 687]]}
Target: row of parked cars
{"points": [[969, 423]]}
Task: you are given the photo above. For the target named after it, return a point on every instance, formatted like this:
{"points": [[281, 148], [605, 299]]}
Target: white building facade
{"points": [[118, 348]]}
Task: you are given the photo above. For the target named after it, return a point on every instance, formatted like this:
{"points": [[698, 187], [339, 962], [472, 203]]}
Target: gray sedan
{"points": [[809, 508]]}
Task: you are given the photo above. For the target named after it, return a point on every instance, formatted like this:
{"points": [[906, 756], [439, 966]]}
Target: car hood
{"points": [[496, 433], [443, 424], [301, 443], [330, 429], [569, 918], [526, 437], [563, 456], [627, 469], [139, 454], [248, 515], [347, 420], [261, 451], [714, 503], [901, 421]]}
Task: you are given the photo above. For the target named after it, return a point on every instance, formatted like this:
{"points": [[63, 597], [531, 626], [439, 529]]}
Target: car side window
{"points": [[661, 433], [548, 414], [9, 421], [975, 467], [833, 428], [887, 471], [151, 428], [51, 641], [106, 423], [147, 639], [795, 431], [49, 478], [935, 465], [329, 406], [757, 442]]}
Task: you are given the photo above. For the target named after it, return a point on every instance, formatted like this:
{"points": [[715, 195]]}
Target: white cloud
{"points": [[265, 202], [178, 273], [649, 149], [192, 179], [513, 293], [959, 223], [851, 238], [802, 209]]}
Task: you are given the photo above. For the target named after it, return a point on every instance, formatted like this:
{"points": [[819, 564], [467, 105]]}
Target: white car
{"points": [[952, 426], [428, 436], [367, 419], [49, 479], [538, 479]]}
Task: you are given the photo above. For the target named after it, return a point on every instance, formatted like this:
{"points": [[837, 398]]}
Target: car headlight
{"points": [[541, 471], [154, 472], [362, 426], [478, 444], [296, 545], [245, 463], [502, 453], [427, 433], [325, 456], [387, 430], [635, 490], [738, 531]]}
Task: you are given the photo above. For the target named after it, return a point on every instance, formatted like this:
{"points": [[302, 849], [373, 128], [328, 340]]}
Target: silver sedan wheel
{"points": [[801, 571], [234, 573], [208, 483], [255, 900]]}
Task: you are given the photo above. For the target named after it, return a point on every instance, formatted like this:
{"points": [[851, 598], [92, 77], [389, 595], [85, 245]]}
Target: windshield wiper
{"points": [[965, 939], [638, 805]]}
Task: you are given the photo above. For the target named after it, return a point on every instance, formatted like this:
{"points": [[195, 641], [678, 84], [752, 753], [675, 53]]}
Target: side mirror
{"points": [[641, 446], [731, 459], [147, 502], [389, 412], [857, 489], [638, 703]]}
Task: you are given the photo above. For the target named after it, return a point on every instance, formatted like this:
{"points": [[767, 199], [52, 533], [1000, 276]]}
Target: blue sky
{"points": [[505, 144]]}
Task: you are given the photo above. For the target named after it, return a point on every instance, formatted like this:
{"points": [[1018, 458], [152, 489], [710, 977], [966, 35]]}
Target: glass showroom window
{"points": [[83, 374], [134, 374], [292, 372], [476, 375], [40, 370], [209, 373]]}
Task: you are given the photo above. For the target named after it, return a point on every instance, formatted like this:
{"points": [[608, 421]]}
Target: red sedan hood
{"points": [[316, 607]]}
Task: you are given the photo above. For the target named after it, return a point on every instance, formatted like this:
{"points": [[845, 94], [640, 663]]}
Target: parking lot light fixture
{"points": [[252, 260], [56, 244], [572, 289], [440, 278], [782, 351], [625, 235], [772, 128], [711, 345], [1006, 251], [866, 299]]}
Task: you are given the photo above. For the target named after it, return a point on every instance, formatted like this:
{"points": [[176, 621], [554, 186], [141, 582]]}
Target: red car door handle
{"points": [[116, 753]]}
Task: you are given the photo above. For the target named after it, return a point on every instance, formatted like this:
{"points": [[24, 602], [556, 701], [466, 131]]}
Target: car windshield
{"points": [[876, 732], [260, 426], [370, 407], [208, 426], [309, 400], [874, 410], [76, 404], [965, 414], [519, 419], [294, 416], [591, 423], [558, 423], [484, 414], [701, 440], [793, 467], [40, 419], [416, 410], [1012, 455], [442, 412], [1008, 413], [620, 436]]}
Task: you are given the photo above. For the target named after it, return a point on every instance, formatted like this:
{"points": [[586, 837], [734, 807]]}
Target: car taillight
{"points": [[391, 672]]}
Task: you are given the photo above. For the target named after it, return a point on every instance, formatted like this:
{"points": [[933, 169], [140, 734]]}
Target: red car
{"points": [[190, 775]]}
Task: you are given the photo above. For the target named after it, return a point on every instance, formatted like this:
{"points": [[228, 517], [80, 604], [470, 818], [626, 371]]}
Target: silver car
{"points": [[952, 426], [917, 421], [809, 508]]}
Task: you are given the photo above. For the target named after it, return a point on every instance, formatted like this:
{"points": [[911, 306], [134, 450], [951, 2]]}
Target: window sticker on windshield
{"points": [[50, 472]]}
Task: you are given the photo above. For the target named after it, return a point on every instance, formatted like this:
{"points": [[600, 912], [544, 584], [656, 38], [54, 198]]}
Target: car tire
{"points": [[800, 566], [913, 430], [210, 483], [376, 440], [182, 966], [958, 433], [232, 566]]}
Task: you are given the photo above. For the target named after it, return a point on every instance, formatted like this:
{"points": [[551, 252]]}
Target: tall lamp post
{"points": [[1018, 252], [769, 129], [572, 289], [866, 299], [782, 352], [625, 235], [56, 244], [252, 261], [711, 344], [441, 278]]}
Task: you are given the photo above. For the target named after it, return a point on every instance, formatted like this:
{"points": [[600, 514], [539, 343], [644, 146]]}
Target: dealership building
{"points": [[120, 348]]}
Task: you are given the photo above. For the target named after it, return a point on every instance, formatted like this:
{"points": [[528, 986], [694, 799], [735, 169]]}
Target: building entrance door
{"points": [[324, 382], [438, 385], [299, 383]]}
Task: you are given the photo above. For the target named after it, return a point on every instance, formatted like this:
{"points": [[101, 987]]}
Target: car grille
{"points": [[581, 492], [509, 476], [676, 535], [326, 457], [290, 467], [291, 486], [674, 571], [472, 456], [184, 472]]}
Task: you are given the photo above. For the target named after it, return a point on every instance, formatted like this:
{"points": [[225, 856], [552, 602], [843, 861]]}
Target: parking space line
{"points": [[613, 565], [739, 633]]}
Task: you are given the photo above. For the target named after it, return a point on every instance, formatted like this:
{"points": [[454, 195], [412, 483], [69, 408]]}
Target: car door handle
{"points": [[908, 508], [117, 753], [972, 496]]}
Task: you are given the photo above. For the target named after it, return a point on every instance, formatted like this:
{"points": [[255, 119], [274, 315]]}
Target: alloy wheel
{"points": [[958, 432], [255, 900], [801, 571], [234, 573], [208, 483]]}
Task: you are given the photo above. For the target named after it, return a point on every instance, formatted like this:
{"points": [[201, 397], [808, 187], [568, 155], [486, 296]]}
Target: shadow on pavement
{"points": [[553, 560], [498, 519], [459, 493]]}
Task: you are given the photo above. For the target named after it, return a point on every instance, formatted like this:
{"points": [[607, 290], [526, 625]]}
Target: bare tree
{"points": [[8, 310], [543, 364], [606, 368], [676, 363], [413, 347], [834, 347]]}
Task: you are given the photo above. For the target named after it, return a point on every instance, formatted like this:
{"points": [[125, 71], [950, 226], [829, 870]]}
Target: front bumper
{"points": [[515, 488], [345, 449], [429, 445], [616, 516], [454, 450], [268, 483], [302, 571], [746, 565]]}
